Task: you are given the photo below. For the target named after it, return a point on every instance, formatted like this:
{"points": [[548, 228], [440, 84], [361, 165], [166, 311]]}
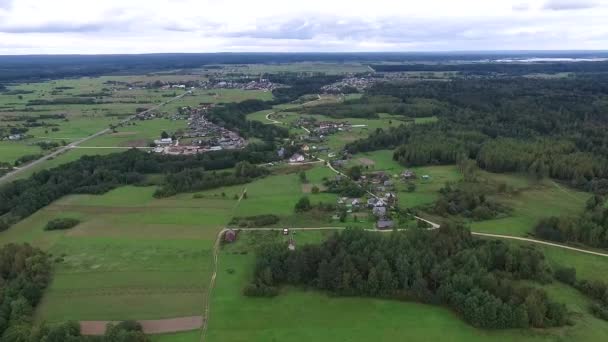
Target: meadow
{"points": [[131, 257]]}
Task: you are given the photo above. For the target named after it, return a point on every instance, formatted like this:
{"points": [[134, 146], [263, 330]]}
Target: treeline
{"points": [[480, 280], [546, 157], [127, 331], [99, 174], [198, 179], [589, 228], [25, 272], [299, 85], [233, 116], [62, 101], [497, 68], [369, 106], [431, 149]]}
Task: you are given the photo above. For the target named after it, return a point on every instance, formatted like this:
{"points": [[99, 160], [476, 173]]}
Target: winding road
{"points": [[7, 177]]}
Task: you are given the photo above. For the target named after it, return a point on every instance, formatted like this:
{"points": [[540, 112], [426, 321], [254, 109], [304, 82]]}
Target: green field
{"points": [[543, 199], [139, 133], [132, 256]]}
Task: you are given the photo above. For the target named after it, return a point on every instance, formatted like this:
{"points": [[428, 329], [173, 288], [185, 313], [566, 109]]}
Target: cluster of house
{"points": [[258, 84], [322, 128], [407, 175], [379, 207], [349, 83], [205, 136], [378, 180], [14, 137]]}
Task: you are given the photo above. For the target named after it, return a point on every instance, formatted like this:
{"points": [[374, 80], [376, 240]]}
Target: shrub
{"points": [[303, 205], [61, 223], [566, 275]]}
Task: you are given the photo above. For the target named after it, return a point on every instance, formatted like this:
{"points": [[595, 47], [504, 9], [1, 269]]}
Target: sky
{"points": [[149, 26]]}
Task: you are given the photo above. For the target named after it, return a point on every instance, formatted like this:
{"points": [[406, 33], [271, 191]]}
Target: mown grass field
{"points": [[131, 257]]}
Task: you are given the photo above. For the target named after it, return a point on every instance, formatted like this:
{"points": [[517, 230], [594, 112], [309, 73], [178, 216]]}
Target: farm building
{"points": [[230, 235], [385, 224]]}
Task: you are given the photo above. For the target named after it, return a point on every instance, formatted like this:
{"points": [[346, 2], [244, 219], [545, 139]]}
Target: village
{"points": [[201, 135]]}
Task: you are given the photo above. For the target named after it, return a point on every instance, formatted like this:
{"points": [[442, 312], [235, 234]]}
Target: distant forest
{"points": [[41, 67]]}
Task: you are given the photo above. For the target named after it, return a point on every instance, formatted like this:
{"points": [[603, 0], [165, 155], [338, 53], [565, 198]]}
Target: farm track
{"points": [[157, 326], [7, 177]]}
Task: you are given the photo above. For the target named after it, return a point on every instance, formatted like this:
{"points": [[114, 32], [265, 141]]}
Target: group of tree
{"points": [[190, 180], [233, 116], [467, 200], [99, 174], [480, 280], [589, 228], [344, 187]]}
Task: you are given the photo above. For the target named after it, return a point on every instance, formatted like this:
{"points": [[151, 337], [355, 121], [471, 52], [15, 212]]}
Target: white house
{"points": [[163, 142], [297, 158]]}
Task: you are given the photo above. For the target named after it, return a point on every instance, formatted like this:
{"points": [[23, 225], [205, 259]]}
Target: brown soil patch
{"points": [[307, 188], [366, 161], [289, 169], [157, 326]]}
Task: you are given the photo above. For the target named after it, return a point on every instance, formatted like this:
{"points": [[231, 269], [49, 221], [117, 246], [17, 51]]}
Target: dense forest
{"points": [[483, 281], [556, 128], [368, 106], [99, 174]]}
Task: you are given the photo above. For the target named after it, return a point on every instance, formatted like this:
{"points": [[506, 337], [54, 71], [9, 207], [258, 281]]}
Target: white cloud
{"points": [[138, 26], [566, 5]]}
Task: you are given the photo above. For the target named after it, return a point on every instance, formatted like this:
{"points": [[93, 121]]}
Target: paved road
{"points": [[10, 175]]}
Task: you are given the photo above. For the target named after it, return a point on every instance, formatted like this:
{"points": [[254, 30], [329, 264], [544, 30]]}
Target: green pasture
{"points": [[137, 133], [531, 204]]}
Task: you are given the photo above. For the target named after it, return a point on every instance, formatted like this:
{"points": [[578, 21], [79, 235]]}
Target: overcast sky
{"points": [[142, 26]]}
